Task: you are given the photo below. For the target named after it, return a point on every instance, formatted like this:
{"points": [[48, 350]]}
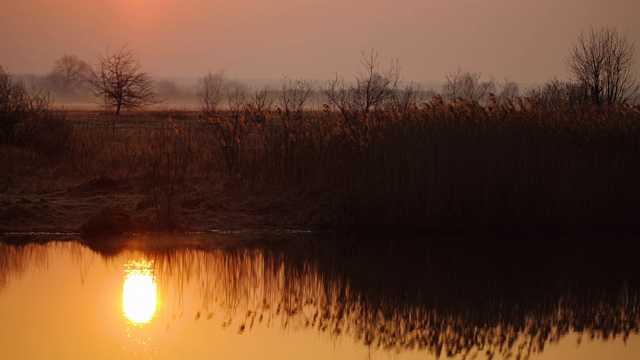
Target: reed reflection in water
{"points": [[450, 298], [484, 298]]}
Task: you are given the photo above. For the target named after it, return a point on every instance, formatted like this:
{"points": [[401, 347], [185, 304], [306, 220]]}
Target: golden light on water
{"points": [[139, 292]]}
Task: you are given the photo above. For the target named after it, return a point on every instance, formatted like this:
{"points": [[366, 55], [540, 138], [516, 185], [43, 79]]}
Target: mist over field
{"points": [[254, 39]]}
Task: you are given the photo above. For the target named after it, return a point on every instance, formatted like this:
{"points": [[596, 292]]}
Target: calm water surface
{"points": [[295, 296]]}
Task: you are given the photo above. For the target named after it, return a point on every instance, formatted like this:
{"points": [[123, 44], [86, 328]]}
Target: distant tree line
{"points": [[600, 65]]}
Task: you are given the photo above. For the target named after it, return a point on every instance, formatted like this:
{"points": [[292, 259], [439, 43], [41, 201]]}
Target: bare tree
{"points": [[259, 99], [603, 61], [211, 91], [121, 82], [295, 94], [374, 88], [236, 95], [467, 85], [339, 95], [403, 99], [507, 90], [258, 102], [69, 74]]}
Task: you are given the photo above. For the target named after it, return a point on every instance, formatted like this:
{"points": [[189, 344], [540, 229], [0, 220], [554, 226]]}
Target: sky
{"points": [[521, 40]]}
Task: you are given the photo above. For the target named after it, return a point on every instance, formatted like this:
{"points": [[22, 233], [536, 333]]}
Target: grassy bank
{"points": [[432, 167]]}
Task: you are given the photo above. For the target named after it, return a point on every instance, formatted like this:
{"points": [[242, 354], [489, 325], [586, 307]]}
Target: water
{"points": [[292, 296]]}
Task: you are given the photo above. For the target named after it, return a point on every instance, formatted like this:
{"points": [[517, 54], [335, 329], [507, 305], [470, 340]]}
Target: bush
{"points": [[557, 95], [29, 120]]}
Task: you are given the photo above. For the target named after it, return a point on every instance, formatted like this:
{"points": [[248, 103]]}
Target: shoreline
{"points": [[436, 168]]}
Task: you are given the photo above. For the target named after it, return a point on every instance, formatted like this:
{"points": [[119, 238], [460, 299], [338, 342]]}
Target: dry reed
{"points": [[435, 166]]}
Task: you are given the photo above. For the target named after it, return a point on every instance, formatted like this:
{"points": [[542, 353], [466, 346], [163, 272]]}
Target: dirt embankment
{"points": [[106, 205]]}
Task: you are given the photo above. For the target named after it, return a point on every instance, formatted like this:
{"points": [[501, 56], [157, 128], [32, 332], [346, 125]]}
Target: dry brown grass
{"points": [[435, 166]]}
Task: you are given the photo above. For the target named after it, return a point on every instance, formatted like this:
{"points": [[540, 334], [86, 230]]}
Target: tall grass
{"points": [[434, 166], [439, 166]]}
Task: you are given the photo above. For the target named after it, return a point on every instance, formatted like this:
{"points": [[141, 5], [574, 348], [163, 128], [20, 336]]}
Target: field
{"points": [[434, 166]]}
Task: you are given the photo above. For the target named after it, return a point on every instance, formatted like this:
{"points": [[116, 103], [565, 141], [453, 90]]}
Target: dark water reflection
{"points": [[488, 296]]}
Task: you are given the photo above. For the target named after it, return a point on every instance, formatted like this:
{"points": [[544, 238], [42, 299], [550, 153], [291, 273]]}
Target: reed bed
{"points": [[435, 166]]}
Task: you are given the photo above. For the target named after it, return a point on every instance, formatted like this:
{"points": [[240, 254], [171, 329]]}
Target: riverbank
{"points": [[105, 205], [431, 168]]}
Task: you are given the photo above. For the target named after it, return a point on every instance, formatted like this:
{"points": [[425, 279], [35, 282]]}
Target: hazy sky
{"points": [[524, 40]]}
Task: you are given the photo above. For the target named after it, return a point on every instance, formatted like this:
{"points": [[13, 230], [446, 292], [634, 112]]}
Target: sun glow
{"points": [[139, 292]]}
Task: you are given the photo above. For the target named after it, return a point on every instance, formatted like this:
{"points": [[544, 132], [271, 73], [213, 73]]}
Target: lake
{"points": [[278, 295]]}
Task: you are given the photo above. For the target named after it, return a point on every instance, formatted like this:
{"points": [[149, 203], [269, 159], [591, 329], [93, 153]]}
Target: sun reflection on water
{"points": [[139, 292]]}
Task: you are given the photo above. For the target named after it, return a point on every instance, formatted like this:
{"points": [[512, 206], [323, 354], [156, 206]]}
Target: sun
{"points": [[139, 292]]}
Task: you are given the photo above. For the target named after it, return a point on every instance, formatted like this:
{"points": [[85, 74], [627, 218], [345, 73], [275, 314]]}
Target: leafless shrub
{"points": [[258, 103], [211, 91], [28, 118], [556, 94], [373, 88], [404, 98], [13, 106], [508, 90], [260, 100], [294, 95], [467, 85]]}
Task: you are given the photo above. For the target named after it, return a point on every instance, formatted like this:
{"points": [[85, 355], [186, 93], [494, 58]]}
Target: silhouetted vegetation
{"points": [[601, 62], [120, 82], [436, 166], [69, 78], [362, 155], [28, 119]]}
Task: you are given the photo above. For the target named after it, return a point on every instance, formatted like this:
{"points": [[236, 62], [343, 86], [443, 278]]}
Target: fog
{"points": [[525, 41]]}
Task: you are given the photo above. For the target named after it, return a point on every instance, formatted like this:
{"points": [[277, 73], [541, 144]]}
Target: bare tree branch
{"points": [[373, 89], [603, 62], [295, 94], [467, 85], [211, 92], [121, 82], [69, 74]]}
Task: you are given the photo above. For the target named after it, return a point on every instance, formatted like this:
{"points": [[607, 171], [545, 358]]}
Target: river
{"points": [[261, 295]]}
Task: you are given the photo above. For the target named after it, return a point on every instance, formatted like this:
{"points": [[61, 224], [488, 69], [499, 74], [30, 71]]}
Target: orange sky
{"points": [[524, 40]]}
